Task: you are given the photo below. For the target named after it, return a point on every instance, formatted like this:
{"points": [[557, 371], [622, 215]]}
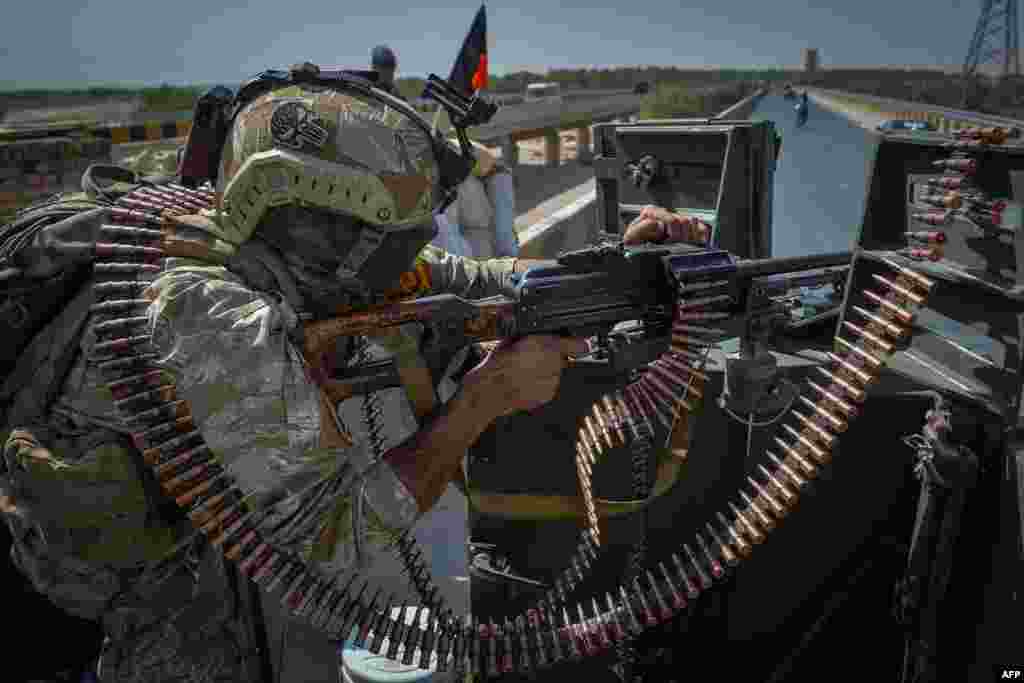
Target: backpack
{"points": [[44, 265]]}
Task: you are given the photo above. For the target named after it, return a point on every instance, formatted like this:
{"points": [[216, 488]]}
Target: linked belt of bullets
{"points": [[551, 631], [125, 263], [987, 135], [668, 392], [956, 197]]}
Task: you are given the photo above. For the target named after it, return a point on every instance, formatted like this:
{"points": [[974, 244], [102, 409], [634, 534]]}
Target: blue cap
{"points": [[383, 57]]}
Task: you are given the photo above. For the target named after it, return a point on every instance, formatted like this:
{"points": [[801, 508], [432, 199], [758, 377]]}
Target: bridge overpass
{"points": [[38, 159]]}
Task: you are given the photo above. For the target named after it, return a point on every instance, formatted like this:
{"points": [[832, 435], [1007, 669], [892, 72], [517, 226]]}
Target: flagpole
{"points": [[479, 24]]}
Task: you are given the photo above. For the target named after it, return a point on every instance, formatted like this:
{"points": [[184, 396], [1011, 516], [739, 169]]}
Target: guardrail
{"points": [[945, 119], [40, 160], [512, 125]]}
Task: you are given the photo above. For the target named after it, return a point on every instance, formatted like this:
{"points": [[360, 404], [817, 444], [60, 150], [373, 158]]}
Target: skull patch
{"points": [[295, 126]]}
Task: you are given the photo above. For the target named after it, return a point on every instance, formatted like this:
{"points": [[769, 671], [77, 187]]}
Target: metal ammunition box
{"points": [[966, 340], [720, 171]]}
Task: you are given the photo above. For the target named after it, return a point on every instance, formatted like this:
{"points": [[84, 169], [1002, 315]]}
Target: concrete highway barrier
{"points": [[575, 226], [30, 169], [945, 119]]}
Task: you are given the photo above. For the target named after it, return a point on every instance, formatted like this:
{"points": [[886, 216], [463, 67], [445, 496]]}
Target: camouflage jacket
{"points": [[92, 533]]}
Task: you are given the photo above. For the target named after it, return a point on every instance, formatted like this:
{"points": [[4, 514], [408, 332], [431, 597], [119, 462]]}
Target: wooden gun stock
{"points": [[476, 321]]}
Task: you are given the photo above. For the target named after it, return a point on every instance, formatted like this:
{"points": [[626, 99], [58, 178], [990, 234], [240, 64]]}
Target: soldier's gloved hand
{"points": [[659, 225], [523, 374]]}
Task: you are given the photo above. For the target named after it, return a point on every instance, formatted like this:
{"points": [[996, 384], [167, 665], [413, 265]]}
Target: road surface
{"points": [[819, 181]]}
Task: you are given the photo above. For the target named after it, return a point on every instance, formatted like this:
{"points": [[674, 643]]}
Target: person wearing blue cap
{"points": [[383, 61]]}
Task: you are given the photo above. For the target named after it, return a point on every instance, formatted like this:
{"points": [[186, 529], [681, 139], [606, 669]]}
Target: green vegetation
{"points": [[168, 98], [629, 76], [926, 87], [915, 85], [622, 78], [164, 98], [680, 101], [410, 88], [94, 91]]}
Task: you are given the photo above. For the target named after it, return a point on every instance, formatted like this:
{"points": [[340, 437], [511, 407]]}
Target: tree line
{"points": [[983, 94], [626, 77], [915, 85]]}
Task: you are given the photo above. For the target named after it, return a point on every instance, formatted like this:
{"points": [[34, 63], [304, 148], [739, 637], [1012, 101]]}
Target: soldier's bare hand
{"points": [[524, 374], [655, 224]]}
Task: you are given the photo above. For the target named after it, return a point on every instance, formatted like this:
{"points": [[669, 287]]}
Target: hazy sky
{"points": [[202, 41]]}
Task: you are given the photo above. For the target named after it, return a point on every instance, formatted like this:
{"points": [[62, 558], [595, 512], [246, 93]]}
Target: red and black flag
{"points": [[469, 73]]}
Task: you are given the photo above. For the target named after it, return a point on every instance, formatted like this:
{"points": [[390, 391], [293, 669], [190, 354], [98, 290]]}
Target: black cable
{"points": [[413, 559], [627, 652]]}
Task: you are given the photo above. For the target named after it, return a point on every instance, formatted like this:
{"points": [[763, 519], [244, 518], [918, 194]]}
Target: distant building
{"points": [[810, 60]]}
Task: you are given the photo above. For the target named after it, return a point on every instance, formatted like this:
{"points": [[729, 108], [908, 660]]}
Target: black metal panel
{"points": [[967, 339], [891, 158], [722, 166]]}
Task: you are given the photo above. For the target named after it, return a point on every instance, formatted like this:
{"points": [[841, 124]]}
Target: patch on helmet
{"points": [[294, 125]]}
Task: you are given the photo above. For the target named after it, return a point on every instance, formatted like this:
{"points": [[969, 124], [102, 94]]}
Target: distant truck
{"points": [[543, 92]]}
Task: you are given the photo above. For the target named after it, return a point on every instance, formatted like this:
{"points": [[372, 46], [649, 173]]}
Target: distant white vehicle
{"points": [[543, 92]]}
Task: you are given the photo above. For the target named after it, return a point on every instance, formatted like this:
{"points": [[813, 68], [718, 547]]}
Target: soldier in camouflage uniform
{"points": [[384, 62], [327, 197]]}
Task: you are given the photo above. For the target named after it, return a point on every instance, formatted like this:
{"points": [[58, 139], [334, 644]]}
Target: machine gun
{"points": [[647, 307], [626, 297]]}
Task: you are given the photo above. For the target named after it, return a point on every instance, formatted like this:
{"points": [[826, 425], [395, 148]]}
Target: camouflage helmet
{"points": [[346, 150]]}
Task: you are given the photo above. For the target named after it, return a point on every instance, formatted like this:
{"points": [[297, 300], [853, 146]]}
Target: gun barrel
{"points": [[791, 264]]}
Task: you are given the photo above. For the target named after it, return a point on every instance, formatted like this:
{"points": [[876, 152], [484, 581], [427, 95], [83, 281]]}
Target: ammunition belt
{"points": [[543, 635]]}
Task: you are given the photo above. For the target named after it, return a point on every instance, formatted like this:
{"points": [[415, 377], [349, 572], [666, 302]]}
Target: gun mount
{"points": [[721, 171]]}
